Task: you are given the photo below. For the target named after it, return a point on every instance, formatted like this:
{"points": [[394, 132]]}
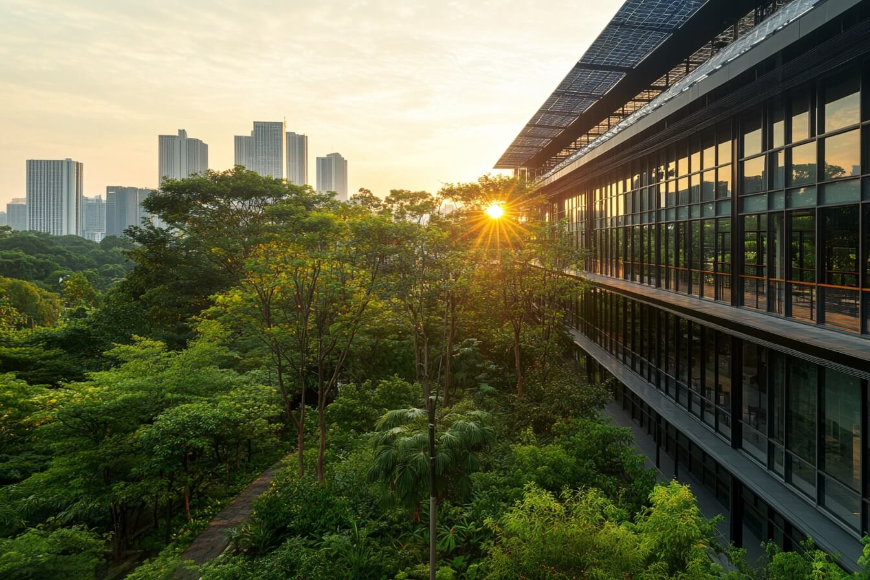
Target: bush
{"points": [[71, 554]]}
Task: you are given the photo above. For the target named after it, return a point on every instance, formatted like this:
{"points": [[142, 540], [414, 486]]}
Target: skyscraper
{"points": [[244, 150], [297, 158], [332, 175], [124, 208], [180, 156], [94, 218], [2, 218], [54, 196], [263, 151], [16, 214]]}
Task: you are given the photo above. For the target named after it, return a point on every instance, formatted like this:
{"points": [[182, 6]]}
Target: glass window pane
{"points": [[752, 134], [723, 182], [843, 155], [683, 186], [753, 175], [843, 503], [842, 435], [840, 192], [800, 117], [708, 144], [708, 189], [755, 402], [695, 154], [801, 416], [842, 104], [777, 126], [841, 228], [723, 138], [803, 165], [777, 167], [682, 159]]}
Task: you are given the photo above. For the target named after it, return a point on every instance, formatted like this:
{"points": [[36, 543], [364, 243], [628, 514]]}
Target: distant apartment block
{"points": [[263, 151], [332, 175], [124, 208], [180, 156], [16, 214], [244, 149], [297, 158], [2, 218], [94, 218], [54, 196]]}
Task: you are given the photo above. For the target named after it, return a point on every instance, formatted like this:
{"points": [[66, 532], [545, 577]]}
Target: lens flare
{"points": [[494, 211]]}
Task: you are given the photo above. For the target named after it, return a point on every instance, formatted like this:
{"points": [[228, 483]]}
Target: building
{"points": [[332, 175], [124, 208], [54, 196], [297, 158], [180, 156], [2, 218], [94, 218], [263, 151], [244, 150], [711, 165], [16, 214]]}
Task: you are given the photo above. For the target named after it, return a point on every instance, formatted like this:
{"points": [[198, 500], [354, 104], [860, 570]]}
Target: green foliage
{"points": [[69, 553], [46, 260], [583, 534], [401, 453], [27, 305], [586, 453], [357, 408]]}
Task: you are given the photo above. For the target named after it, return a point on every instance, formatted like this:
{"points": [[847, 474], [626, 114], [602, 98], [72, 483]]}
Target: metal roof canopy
{"points": [[645, 40]]}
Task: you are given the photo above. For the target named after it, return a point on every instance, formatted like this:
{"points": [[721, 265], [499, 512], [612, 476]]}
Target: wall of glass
{"points": [[769, 211], [805, 423]]}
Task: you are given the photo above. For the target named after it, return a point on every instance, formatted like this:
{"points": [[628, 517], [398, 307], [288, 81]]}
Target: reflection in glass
{"points": [[801, 417], [752, 134], [723, 182], [800, 117], [842, 104], [723, 138], [708, 144], [754, 261], [803, 165], [682, 159], [753, 175], [842, 428], [843, 155], [841, 192], [777, 126], [708, 188], [777, 167]]}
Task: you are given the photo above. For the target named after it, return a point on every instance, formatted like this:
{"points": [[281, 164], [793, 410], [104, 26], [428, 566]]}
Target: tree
{"points": [[77, 291], [39, 555], [401, 456]]}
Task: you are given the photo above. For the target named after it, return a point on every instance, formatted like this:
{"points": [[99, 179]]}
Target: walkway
{"points": [[213, 540]]}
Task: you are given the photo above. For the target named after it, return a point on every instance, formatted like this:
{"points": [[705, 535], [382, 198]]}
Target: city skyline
{"points": [[436, 86]]}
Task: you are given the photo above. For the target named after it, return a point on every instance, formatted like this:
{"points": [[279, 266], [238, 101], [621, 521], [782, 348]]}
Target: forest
{"points": [[407, 358]]}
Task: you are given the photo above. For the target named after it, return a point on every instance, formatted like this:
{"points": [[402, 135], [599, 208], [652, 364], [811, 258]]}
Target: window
{"points": [[842, 155], [723, 138], [723, 385], [723, 182], [803, 165], [752, 134], [708, 144], [842, 428], [755, 403], [842, 104], [801, 423], [840, 252], [800, 117], [753, 175], [755, 261], [803, 264], [777, 126]]}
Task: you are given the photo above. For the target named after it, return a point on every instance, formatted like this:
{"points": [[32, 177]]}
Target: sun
{"points": [[494, 211]]}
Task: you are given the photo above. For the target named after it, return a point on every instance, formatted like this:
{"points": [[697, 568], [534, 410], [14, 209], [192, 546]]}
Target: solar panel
{"points": [[757, 34], [639, 27]]}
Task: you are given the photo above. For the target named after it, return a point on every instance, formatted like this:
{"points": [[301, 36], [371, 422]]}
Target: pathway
{"points": [[213, 540]]}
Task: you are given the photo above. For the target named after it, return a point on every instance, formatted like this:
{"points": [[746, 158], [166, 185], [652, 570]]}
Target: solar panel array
{"points": [[638, 28]]}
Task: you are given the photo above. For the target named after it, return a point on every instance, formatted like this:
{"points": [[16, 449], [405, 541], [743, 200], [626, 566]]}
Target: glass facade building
{"points": [[726, 230]]}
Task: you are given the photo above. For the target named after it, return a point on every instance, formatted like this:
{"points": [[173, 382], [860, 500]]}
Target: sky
{"points": [[414, 93]]}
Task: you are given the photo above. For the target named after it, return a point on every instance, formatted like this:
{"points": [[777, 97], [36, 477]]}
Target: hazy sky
{"points": [[414, 94]]}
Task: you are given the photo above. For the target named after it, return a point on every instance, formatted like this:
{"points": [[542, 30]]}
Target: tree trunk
{"points": [[168, 521], [300, 447], [517, 363], [433, 501], [321, 449], [187, 503]]}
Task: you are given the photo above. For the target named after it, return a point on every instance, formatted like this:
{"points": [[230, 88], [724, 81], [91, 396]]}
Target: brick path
{"points": [[213, 540]]}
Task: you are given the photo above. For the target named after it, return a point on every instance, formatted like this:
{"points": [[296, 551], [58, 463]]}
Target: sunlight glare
{"points": [[494, 211]]}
